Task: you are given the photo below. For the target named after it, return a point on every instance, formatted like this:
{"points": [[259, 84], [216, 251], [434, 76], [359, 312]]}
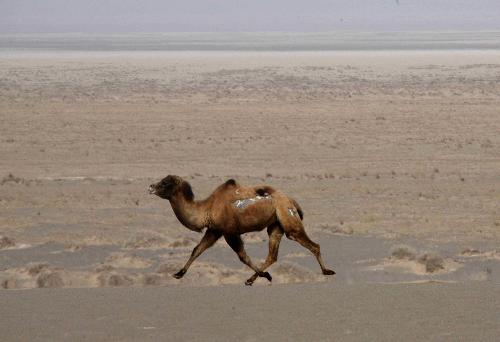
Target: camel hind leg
{"points": [[275, 233], [289, 219], [302, 238]]}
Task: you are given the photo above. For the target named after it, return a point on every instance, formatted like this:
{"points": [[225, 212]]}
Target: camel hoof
{"points": [[249, 282], [328, 272], [179, 274], [266, 275]]}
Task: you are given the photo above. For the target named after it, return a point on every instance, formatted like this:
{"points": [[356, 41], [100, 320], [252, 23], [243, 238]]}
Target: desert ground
{"points": [[394, 157]]}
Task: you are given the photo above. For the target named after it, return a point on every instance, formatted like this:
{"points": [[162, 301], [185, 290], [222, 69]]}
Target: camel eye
{"points": [[167, 184]]}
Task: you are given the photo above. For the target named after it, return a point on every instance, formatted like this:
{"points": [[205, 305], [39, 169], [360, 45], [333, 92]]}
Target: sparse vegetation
{"points": [[49, 280], [10, 178], [402, 252], [35, 268], [6, 242], [432, 262], [470, 251]]}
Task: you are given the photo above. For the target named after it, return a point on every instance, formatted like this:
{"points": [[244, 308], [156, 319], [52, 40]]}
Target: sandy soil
{"points": [[394, 157]]}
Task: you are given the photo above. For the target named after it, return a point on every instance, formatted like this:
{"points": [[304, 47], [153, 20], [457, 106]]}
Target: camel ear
{"points": [[173, 179]]}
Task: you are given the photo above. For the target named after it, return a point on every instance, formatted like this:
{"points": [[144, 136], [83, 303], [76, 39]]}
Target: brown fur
{"points": [[232, 210]]}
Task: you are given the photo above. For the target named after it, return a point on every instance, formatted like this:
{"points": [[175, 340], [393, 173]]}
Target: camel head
{"points": [[170, 186]]}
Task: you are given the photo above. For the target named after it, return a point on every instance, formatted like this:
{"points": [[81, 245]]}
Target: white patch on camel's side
{"points": [[243, 203]]}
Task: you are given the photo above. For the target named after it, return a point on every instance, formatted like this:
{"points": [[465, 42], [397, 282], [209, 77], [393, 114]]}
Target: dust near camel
{"points": [[232, 210]]}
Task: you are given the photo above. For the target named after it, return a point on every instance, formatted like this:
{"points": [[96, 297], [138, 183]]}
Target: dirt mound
{"points": [[49, 279]]}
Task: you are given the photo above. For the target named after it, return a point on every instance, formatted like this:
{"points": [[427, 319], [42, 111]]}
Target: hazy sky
{"points": [[246, 15]]}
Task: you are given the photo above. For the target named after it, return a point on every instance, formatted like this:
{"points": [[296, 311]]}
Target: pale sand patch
{"points": [[415, 267], [475, 253], [124, 260]]}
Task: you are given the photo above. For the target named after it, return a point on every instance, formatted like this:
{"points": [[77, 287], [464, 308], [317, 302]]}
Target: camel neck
{"points": [[192, 214]]}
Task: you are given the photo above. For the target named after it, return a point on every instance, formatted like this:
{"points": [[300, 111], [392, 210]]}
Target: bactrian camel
{"points": [[232, 210]]}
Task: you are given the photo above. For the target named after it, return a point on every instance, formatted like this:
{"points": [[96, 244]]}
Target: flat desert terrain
{"points": [[394, 156]]}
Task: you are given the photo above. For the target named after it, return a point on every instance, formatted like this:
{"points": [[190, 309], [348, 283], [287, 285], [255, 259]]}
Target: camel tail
{"points": [[299, 209]]}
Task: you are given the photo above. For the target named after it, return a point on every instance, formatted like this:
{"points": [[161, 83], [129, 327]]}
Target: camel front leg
{"points": [[275, 233], [235, 242], [207, 241]]}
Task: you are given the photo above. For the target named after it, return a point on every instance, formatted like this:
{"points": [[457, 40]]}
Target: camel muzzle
{"points": [[152, 189]]}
